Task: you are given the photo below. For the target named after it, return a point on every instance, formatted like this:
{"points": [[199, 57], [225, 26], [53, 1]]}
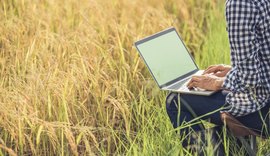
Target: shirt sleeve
{"points": [[242, 17]]}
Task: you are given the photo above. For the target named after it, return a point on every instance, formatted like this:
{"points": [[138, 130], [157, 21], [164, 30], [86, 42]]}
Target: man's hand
{"points": [[217, 70], [208, 82]]}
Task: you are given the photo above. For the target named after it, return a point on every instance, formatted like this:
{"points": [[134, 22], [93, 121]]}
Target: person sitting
{"points": [[244, 87]]}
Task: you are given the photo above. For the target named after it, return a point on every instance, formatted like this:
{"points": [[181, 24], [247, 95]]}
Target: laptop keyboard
{"points": [[179, 85], [183, 86]]}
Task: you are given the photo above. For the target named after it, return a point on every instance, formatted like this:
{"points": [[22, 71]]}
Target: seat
{"points": [[237, 129], [240, 131]]}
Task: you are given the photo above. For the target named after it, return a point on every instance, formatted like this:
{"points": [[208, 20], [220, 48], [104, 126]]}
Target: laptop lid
{"points": [[166, 57]]}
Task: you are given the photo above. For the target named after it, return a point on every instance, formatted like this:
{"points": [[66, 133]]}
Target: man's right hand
{"points": [[218, 70]]}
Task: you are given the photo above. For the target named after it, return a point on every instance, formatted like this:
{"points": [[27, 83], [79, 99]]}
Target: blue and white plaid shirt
{"points": [[248, 25]]}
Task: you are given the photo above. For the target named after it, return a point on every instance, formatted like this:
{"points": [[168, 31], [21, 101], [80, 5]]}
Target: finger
{"points": [[193, 78], [192, 85], [212, 70], [207, 69], [211, 66], [199, 78], [190, 81], [219, 74]]}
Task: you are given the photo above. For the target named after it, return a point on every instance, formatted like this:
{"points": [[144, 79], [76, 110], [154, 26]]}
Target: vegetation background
{"points": [[71, 82]]}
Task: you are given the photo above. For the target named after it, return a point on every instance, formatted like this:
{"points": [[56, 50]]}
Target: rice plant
{"points": [[71, 82]]}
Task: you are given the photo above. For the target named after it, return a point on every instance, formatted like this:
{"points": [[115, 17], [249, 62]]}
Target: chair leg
{"points": [[248, 147], [253, 143]]}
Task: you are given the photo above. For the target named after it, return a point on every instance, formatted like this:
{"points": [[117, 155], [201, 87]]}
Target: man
{"points": [[245, 85]]}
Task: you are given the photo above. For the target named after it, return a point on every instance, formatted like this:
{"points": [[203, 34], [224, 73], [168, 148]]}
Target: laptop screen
{"points": [[166, 56]]}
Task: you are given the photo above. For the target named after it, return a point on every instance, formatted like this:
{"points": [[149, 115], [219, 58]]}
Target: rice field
{"points": [[71, 82]]}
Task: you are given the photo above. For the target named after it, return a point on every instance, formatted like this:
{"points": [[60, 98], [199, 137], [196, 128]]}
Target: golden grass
{"points": [[71, 81]]}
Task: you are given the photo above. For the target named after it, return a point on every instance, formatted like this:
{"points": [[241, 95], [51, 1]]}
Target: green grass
{"points": [[72, 83]]}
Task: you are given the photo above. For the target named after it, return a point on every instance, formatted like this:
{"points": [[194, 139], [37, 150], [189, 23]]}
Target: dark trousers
{"points": [[207, 106]]}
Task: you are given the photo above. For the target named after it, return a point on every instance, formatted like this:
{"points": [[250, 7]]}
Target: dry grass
{"points": [[72, 84]]}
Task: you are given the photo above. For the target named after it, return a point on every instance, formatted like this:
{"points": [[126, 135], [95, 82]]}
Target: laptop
{"points": [[169, 62]]}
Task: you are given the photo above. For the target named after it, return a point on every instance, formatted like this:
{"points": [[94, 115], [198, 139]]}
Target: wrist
{"points": [[219, 83]]}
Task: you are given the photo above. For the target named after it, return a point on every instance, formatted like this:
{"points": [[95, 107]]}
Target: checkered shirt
{"points": [[248, 26]]}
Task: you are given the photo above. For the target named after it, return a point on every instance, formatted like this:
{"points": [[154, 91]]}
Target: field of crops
{"points": [[71, 82]]}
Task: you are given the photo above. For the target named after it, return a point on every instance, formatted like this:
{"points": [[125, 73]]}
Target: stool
{"points": [[240, 131]]}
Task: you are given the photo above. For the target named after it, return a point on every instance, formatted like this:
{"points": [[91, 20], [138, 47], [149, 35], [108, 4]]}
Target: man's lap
{"points": [[203, 105]]}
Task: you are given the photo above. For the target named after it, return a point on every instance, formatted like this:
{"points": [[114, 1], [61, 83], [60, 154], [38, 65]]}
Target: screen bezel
{"points": [[158, 35]]}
